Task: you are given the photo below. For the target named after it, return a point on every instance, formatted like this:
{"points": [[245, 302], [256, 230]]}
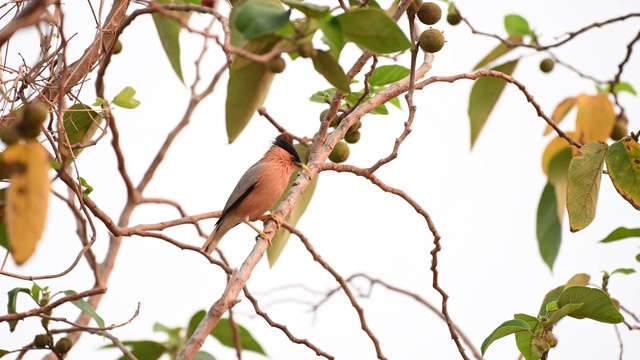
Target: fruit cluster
{"points": [[340, 152], [26, 122], [429, 13]]}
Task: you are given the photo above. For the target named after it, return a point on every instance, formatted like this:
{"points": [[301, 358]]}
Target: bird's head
{"points": [[283, 141]]}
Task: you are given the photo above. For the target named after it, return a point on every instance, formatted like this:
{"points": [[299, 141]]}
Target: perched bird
{"points": [[258, 190]]}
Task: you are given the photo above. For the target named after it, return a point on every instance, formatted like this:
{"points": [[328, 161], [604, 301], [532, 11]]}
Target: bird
{"points": [[258, 190]]}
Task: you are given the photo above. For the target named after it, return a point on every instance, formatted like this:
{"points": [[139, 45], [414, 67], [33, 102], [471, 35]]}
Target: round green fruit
{"points": [[63, 346], [353, 137], [41, 341], [323, 114], [117, 48], [414, 7], [429, 13], [546, 65], [276, 65], [453, 17], [621, 128], [431, 40], [306, 50], [353, 128], [340, 153], [9, 135], [34, 114]]}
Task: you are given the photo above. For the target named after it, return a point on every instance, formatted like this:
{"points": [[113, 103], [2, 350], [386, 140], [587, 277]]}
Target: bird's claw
{"points": [[263, 234], [275, 218]]}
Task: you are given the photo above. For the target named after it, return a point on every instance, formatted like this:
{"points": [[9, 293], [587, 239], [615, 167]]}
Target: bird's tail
{"points": [[215, 237]]}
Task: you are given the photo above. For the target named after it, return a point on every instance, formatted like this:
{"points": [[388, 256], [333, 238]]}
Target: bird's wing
{"points": [[245, 186]]}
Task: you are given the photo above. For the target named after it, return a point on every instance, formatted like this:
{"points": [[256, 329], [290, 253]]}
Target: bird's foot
{"points": [[263, 234], [275, 218]]}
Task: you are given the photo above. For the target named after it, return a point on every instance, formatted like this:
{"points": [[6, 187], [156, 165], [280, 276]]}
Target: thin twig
{"points": [[88, 328], [569, 36], [436, 237], [343, 285], [52, 305], [510, 79], [283, 328]]}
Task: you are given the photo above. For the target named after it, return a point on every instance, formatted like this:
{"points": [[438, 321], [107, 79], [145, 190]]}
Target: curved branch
{"points": [[436, 237], [284, 329], [343, 284], [507, 78], [570, 35]]}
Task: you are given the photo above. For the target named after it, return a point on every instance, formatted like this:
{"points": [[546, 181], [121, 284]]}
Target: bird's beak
{"points": [[305, 168]]}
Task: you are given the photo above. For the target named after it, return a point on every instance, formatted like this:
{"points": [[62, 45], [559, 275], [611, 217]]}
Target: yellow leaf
{"points": [[555, 164], [27, 197], [560, 112], [556, 157], [595, 119]]}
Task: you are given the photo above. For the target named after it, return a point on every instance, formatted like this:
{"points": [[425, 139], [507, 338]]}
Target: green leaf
{"points": [[333, 35], [259, 18], [524, 339], [125, 98], [4, 239], [36, 290], [352, 99], [388, 74], [281, 238], [625, 271], [327, 66], [498, 51], [84, 306], [583, 187], [548, 226], [169, 33], [11, 304], [395, 102], [320, 96], [145, 349], [516, 25], [623, 164], [620, 234], [383, 38], [506, 328], [173, 333], [80, 123], [248, 87], [552, 306], [484, 95], [87, 188], [638, 257], [224, 334], [625, 86], [201, 355], [597, 305], [99, 101], [555, 164], [311, 10], [551, 296], [55, 165], [560, 313], [4, 352], [194, 321]]}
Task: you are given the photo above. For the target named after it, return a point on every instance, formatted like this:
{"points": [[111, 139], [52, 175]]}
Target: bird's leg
{"points": [[260, 232]]}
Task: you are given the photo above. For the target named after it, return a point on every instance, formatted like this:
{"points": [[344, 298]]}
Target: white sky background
{"points": [[483, 202]]}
